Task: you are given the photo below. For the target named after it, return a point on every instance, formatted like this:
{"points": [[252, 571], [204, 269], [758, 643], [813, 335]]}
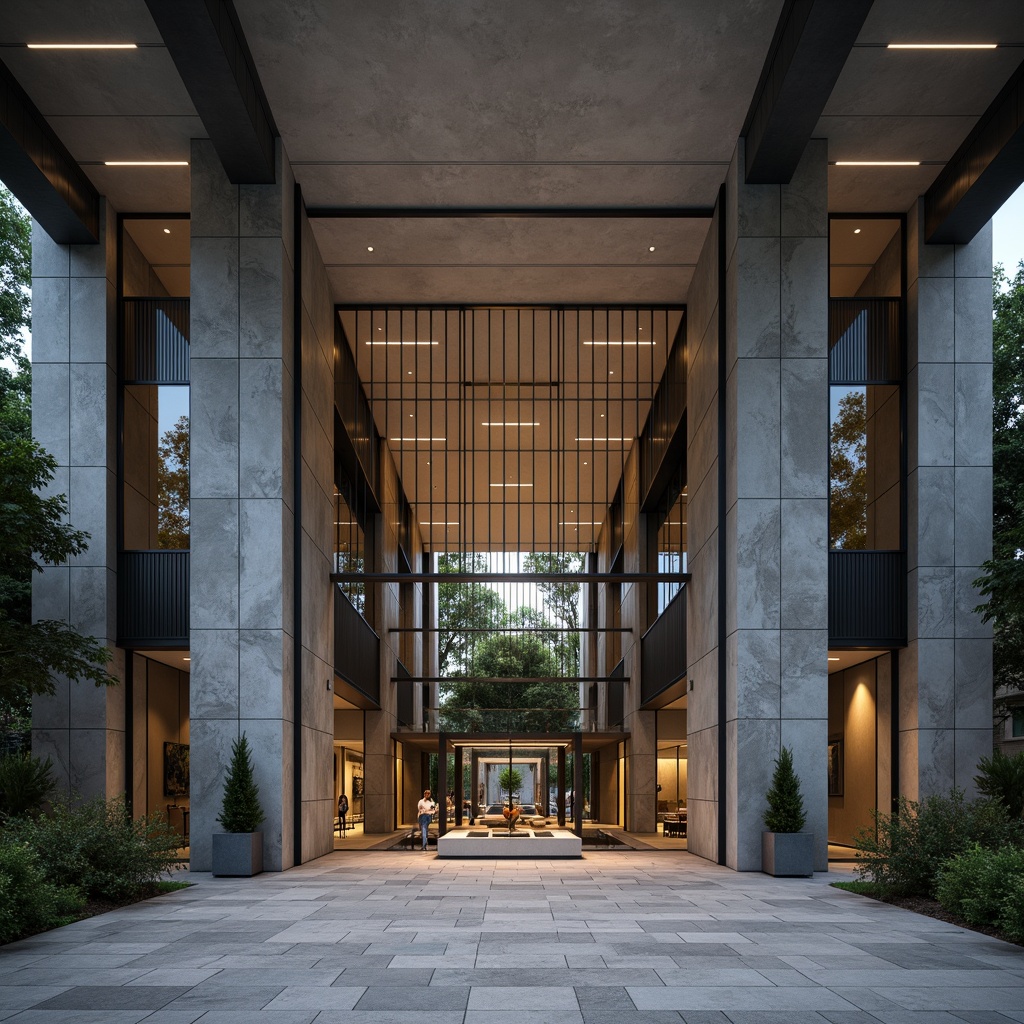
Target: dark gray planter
{"points": [[237, 854], [787, 854]]}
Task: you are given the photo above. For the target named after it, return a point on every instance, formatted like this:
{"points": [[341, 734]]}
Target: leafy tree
{"points": [[241, 810], [562, 600], [848, 492], [785, 811], [510, 779], [172, 484], [36, 533], [34, 528], [1003, 579], [461, 608]]}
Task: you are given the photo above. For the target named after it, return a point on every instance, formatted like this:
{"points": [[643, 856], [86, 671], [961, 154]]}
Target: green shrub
{"points": [[1002, 778], [785, 811], [986, 887], [26, 783], [906, 849], [99, 847], [241, 810], [28, 902]]}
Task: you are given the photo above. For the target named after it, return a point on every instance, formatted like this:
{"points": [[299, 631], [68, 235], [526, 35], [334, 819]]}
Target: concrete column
{"points": [[242, 519], [945, 707], [74, 410], [776, 496]]}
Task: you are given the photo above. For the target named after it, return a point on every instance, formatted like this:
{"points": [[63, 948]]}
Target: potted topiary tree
{"points": [[786, 850], [238, 850]]}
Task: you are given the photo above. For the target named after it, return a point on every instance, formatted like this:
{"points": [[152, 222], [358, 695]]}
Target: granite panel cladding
{"points": [[803, 652], [754, 659], [804, 556]]}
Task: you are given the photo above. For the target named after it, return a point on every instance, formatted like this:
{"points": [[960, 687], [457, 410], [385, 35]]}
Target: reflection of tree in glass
{"points": [[172, 483], [563, 601], [462, 607], [848, 495]]}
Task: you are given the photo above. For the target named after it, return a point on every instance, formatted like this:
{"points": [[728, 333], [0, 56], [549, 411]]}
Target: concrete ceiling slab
{"points": [[455, 184], [509, 285]]}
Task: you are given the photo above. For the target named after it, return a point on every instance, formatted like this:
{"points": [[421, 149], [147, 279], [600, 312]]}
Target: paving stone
{"points": [[421, 999]]}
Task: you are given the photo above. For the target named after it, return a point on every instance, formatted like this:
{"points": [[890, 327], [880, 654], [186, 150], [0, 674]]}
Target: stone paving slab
{"points": [[616, 938]]}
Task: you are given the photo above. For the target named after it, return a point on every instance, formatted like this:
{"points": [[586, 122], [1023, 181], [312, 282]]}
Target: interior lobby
{"points": [[593, 394]]}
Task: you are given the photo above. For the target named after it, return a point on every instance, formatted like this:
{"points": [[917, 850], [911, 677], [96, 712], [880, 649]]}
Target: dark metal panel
{"points": [[404, 687], [206, 43], [867, 599], [864, 341], [152, 599], [812, 41], [483, 212], [617, 695], [663, 651], [982, 174], [156, 341], [42, 174], [663, 439], [356, 650]]}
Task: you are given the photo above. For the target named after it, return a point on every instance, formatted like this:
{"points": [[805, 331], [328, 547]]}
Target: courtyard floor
{"points": [[617, 938]]}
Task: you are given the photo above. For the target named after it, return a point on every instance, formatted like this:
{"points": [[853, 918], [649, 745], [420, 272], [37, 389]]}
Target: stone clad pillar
{"points": [[945, 685], [776, 496], [74, 412], [241, 609]]}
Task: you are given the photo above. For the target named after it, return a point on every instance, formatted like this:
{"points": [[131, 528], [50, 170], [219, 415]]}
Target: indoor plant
{"points": [[786, 850], [238, 850]]}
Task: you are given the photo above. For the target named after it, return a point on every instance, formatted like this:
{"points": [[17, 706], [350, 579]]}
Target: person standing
{"points": [[425, 809], [342, 811]]}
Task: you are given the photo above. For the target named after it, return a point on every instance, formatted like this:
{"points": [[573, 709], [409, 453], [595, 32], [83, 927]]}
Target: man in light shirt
{"points": [[425, 809]]}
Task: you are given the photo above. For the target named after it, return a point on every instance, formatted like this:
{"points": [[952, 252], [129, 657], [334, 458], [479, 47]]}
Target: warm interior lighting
{"points": [[145, 163], [167, 231], [369, 248], [616, 343], [856, 231], [511, 485], [604, 439], [941, 46], [650, 248], [411, 439], [508, 423], [573, 522], [82, 46], [186, 659], [439, 524], [878, 163], [833, 659], [401, 342]]}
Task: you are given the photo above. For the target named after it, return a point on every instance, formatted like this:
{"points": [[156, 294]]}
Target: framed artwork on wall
{"points": [[835, 767], [357, 786], [176, 774]]}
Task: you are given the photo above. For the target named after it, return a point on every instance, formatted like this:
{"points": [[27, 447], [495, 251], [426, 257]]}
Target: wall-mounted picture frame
{"points": [[357, 786], [176, 769], [835, 767]]}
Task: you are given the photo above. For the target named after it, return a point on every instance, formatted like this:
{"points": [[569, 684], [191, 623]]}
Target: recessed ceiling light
{"points": [[878, 163], [369, 248], [409, 372], [650, 248], [856, 231], [941, 46], [611, 373], [145, 163], [167, 231], [586, 463], [82, 46]]}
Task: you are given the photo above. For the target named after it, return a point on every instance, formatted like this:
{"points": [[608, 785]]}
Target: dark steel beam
{"points": [[205, 41], [982, 174], [42, 174], [510, 577], [812, 41]]}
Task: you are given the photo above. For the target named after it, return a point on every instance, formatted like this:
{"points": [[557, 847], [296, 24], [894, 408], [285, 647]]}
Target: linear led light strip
{"points": [[82, 46], [511, 485], [401, 343], [573, 522], [620, 343], [508, 423], [418, 439], [437, 523], [877, 163], [145, 163], [604, 439], [942, 46]]}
